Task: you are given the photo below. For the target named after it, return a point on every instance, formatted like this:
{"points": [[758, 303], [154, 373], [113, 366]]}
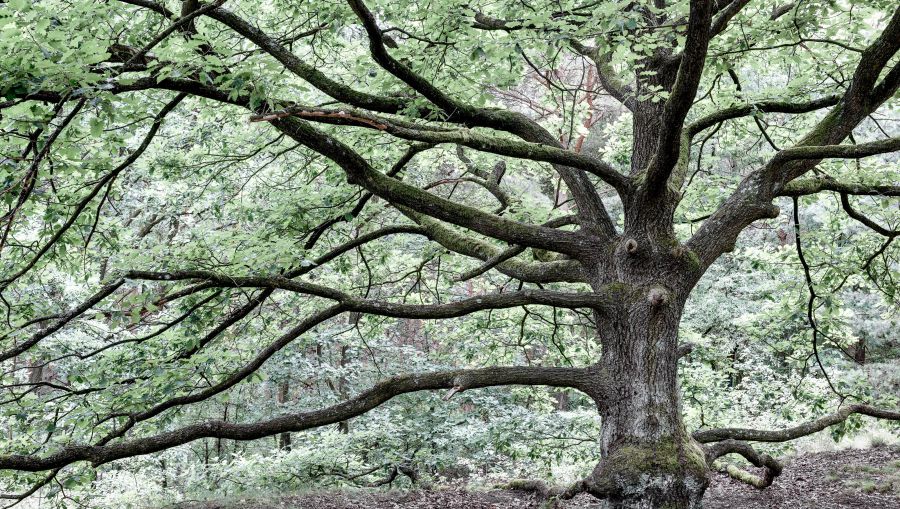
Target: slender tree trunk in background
{"points": [[859, 351], [284, 439], [344, 426], [219, 439], [562, 401], [734, 378], [206, 459]]}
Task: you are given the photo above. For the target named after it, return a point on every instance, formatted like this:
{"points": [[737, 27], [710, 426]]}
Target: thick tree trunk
{"points": [[648, 459]]}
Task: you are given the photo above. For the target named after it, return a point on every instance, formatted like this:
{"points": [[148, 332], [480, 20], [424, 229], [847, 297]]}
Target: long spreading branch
{"points": [[594, 300], [380, 393], [399, 193], [466, 138], [743, 110], [857, 151]]}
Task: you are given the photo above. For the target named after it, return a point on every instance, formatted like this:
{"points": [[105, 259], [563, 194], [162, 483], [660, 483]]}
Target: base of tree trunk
{"points": [[663, 475]]}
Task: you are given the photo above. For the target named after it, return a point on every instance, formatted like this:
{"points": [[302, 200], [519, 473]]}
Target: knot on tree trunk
{"points": [[631, 246], [657, 296]]}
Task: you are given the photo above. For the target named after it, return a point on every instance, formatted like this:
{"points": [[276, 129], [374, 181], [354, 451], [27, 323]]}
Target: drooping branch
{"points": [[802, 430], [230, 381], [881, 230], [31, 174], [811, 301], [463, 379], [104, 181], [103, 293]]}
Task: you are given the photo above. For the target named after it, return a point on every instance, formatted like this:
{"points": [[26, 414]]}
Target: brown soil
{"points": [[858, 479]]}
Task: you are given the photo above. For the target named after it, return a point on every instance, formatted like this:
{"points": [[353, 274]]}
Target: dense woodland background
{"points": [[213, 191]]}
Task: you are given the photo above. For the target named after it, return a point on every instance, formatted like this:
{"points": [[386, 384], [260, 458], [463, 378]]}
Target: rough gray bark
{"points": [[640, 277]]}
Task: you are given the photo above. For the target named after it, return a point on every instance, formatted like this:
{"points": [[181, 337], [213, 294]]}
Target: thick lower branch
{"points": [[462, 379]]}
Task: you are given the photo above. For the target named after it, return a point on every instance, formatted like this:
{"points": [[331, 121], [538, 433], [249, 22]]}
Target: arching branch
{"points": [[772, 468]]}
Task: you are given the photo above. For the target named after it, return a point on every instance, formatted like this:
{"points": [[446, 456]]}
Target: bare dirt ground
{"points": [[857, 479]]}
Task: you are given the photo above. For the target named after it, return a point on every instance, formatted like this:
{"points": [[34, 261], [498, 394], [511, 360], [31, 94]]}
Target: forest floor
{"points": [[857, 479]]}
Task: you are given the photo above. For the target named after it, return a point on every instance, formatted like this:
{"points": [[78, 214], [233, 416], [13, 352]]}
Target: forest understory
{"points": [[856, 479]]}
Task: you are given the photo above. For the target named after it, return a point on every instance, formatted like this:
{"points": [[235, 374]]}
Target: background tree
{"points": [[554, 152]]}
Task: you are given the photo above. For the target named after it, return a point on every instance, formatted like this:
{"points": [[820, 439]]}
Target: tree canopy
{"points": [[661, 213]]}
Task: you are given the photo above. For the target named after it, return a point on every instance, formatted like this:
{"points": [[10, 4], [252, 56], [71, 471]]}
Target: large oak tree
{"points": [[369, 89]]}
